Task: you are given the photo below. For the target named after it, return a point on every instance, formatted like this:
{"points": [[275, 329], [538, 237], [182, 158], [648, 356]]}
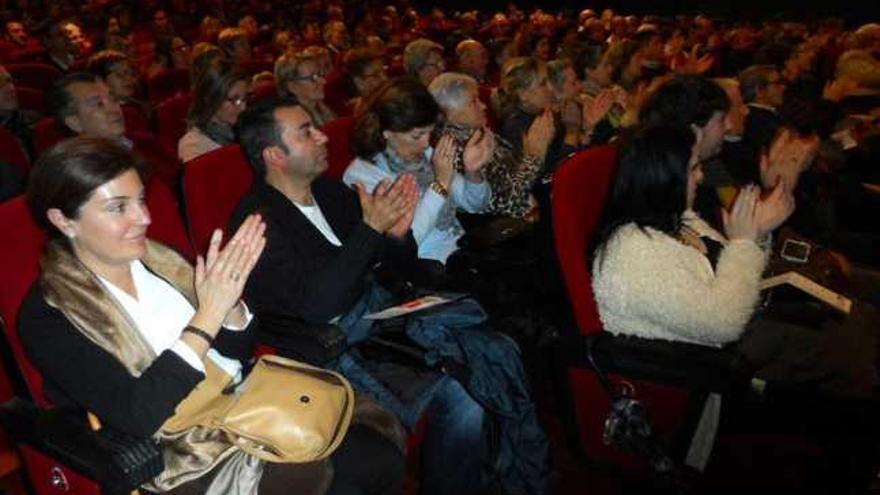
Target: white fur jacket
{"points": [[651, 285]]}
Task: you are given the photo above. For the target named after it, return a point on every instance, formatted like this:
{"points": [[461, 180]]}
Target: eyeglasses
{"points": [[317, 76], [238, 100]]}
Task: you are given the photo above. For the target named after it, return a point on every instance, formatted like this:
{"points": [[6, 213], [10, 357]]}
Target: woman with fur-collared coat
{"points": [[125, 328]]}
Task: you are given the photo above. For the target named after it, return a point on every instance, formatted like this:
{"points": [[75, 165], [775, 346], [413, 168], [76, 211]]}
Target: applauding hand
{"points": [[221, 275]]}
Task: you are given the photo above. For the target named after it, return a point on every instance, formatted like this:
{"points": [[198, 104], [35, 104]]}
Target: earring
{"points": [[70, 235]]}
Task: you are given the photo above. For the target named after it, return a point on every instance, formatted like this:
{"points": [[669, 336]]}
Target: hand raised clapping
{"points": [[384, 208], [221, 275], [538, 137], [477, 152]]}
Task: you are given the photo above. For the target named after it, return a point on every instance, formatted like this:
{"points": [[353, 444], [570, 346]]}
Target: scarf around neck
{"points": [[424, 175]]}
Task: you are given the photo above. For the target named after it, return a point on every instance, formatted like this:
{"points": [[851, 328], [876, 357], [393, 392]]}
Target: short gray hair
{"points": [[416, 53], [450, 89]]}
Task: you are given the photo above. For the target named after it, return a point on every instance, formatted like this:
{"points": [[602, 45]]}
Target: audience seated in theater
{"points": [[525, 95], [473, 59], [762, 88], [19, 39], [116, 70], [204, 56], [300, 76], [392, 138], [661, 272], [235, 45], [171, 53], [125, 328], [219, 97], [12, 117], [510, 174], [65, 46], [82, 104], [365, 69], [423, 60], [323, 241]]}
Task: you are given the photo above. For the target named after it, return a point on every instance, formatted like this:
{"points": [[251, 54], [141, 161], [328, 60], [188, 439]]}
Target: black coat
{"points": [[300, 273], [79, 374]]}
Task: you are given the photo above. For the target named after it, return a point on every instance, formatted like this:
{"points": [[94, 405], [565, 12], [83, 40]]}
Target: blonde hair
{"points": [[861, 67], [287, 68]]}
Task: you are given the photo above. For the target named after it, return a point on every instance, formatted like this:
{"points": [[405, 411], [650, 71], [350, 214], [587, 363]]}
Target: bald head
{"points": [[472, 58]]}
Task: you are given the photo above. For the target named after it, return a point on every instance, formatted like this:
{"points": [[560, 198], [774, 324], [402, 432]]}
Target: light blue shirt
{"points": [[434, 243]]}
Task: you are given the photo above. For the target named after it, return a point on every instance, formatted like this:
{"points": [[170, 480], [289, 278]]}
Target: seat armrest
{"points": [[676, 363], [313, 343], [119, 462]]}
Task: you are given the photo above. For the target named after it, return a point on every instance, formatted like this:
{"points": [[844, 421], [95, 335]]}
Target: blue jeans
{"points": [[454, 449]]}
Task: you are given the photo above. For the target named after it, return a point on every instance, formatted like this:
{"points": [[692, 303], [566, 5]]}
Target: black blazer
{"points": [[80, 375], [300, 273]]}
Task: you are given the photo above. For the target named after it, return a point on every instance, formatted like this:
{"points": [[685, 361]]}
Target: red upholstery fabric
{"points": [[31, 99], [255, 66], [167, 224], [337, 93], [339, 153], [579, 190], [213, 184], [263, 91], [19, 264], [46, 133], [135, 120], [163, 161], [171, 119], [44, 470], [34, 75], [12, 152], [168, 83]]}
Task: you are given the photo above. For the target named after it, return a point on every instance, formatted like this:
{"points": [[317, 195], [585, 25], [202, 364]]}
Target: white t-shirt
{"points": [[316, 216]]}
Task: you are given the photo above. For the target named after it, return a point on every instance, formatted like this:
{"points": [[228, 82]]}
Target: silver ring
{"points": [[236, 277]]}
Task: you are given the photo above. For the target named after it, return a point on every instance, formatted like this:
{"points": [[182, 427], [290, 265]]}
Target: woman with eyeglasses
{"points": [[219, 96], [171, 53], [300, 76]]}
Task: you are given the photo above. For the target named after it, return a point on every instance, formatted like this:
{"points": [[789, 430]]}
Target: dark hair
{"points": [[59, 100], [66, 175], [210, 91], [258, 130], [102, 63], [684, 101], [754, 78], [400, 105], [357, 60], [649, 187]]}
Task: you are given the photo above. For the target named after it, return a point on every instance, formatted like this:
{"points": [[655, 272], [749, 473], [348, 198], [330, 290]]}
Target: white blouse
{"points": [[160, 314]]}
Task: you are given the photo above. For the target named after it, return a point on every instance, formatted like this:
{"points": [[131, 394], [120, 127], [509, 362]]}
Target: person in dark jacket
{"points": [[323, 241], [124, 327]]}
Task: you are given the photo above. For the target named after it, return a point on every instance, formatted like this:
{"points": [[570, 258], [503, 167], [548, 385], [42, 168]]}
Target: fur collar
{"points": [[74, 290]]}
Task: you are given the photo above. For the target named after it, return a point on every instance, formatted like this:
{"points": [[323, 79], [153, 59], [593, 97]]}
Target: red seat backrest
{"points": [[168, 83], [580, 187], [264, 91], [12, 152], [34, 75], [135, 120], [31, 99], [47, 132], [337, 93], [171, 119], [339, 153], [213, 185], [19, 263]]}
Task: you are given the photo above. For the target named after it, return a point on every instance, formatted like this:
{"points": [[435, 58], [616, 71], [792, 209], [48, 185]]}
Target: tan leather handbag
{"points": [[284, 411]]}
